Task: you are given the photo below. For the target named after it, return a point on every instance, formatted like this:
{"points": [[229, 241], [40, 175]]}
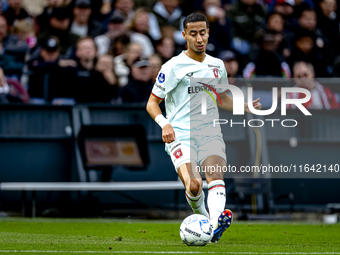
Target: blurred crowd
{"points": [[110, 51]]}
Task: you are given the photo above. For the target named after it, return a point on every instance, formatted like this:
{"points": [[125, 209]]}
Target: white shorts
{"points": [[195, 149]]}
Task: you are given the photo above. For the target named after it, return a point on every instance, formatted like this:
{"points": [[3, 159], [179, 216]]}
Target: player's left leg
{"points": [[216, 186], [212, 158], [219, 216]]}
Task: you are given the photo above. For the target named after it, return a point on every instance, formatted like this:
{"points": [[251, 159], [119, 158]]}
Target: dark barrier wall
{"points": [[37, 144]]}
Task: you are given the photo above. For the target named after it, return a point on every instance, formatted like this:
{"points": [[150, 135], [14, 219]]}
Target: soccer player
{"points": [[186, 149]]}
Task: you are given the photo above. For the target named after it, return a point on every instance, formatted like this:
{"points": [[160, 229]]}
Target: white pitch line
{"points": [[170, 252]]}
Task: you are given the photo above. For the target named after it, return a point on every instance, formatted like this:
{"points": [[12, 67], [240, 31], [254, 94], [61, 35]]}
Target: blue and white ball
{"points": [[195, 230]]}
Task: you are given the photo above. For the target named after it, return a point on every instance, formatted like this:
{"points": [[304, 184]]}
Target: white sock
{"points": [[197, 203], [216, 200]]}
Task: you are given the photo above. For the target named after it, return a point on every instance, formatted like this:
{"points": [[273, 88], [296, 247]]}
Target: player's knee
{"points": [[195, 187]]}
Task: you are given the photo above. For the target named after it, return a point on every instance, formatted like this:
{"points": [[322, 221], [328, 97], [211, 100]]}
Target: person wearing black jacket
{"points": [[82, 24], [140, 85], [9, 64], [305, 50], [45, 79], [44, 18], [328, 22], [15, 11], [59, 27], [265, 61], [88, 84]]}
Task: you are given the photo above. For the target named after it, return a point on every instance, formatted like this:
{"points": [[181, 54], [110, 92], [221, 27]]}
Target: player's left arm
{"points": [[227, 103]]}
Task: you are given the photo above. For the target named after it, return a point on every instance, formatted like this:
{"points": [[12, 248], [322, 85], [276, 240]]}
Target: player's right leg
{"points": [[192, 181]]}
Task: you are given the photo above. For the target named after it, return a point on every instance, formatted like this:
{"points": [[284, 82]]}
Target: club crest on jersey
{"points": [[215, 70], [161, 78], [178, 153]]}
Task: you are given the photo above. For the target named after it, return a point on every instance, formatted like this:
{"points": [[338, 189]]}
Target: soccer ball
{"points": [[196, 229]]}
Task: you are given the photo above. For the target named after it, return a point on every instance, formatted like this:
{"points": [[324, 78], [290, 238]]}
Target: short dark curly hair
{"points": [[194, 17]]}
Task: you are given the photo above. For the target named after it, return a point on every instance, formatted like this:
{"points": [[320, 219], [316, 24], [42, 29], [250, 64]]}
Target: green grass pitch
{"points": [[61, 236]]}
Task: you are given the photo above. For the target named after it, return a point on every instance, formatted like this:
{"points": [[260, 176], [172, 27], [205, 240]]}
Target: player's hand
{"points": [[168, 134], [256, 104]]}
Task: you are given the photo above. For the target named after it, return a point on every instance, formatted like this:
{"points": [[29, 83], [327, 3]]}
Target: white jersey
{"points": [[183, 100]]}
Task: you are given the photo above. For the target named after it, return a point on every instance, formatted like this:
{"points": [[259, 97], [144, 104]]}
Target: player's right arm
{"points": [[168, 133], [166, 81]]}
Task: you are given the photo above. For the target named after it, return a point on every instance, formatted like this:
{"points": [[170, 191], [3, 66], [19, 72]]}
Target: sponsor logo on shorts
{"points": [[178, 153], [161, 78], [190, 74]]}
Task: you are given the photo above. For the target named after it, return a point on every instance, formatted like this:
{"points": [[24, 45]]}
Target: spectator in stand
{"points": [[155, 66], [140, 85], [44, 18], [305, 50], [308, 20], [101, 10], [166, 48], [231, 65], [120, 45], [219, 27], [300, 5], [91, 85], [321, 96], [24, 30], [125, 8], [123, 63], [9, 65], [247, 17], [286, 9], [275, 22], [266, 62], [82, 25], [45, 79], [116, 27], [105, 66], [15, 11], [9, 93], [167, 15], [140, 24], [328, 22], [11, 43], [59, 27]]}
